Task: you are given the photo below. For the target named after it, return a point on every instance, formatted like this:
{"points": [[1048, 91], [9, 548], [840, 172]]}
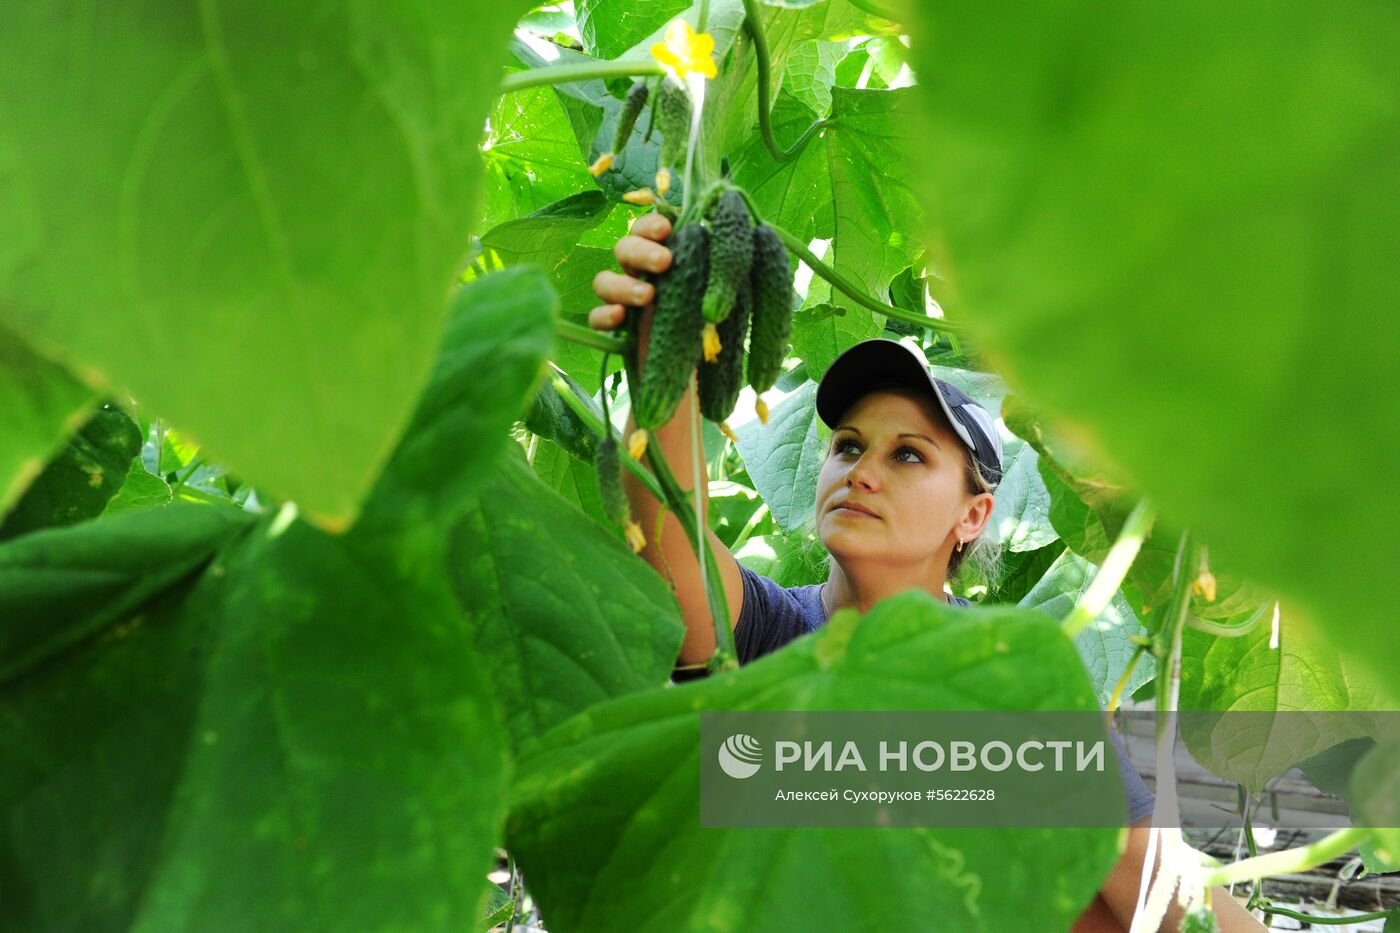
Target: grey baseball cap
{"points": [[879, 361]]}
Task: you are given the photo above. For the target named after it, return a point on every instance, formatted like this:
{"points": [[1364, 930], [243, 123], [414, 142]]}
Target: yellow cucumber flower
{"points": [[601, 164], [637, 444], [686, 51], [711, 343]]}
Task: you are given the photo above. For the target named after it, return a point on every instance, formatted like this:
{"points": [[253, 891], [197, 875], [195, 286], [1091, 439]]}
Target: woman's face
{"points": [[894, 454]]}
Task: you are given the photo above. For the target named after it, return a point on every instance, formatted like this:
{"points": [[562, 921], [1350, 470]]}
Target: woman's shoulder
{"points": [[773, 614]]}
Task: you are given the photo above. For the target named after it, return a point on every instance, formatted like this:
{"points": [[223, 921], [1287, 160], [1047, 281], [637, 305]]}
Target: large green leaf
{"points": [[551, 418], [569, 618], [810, 73], [1176, 226], [1257, 675], [1105, 644], [795, 195], [140, 490], [852, 183], [500, 333], [294, 744], [784, 457], [732, 99], [573, 279], [873, 155], [1088, 508], [1375, 796], [78, 483], [611, 27], [821, 332], [530, 154], [575, 480], [787, 560], [614, 792], [1331, 772], [1019, 573], [42, 403], [546, 236], [247, 217], [62, 585], [308, 738]]}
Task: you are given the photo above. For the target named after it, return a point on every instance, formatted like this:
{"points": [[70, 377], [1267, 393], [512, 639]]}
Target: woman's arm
{"points": [[672, 556], [1120, 891]]}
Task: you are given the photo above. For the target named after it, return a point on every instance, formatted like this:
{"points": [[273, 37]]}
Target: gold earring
{"points": [[960, 545]]}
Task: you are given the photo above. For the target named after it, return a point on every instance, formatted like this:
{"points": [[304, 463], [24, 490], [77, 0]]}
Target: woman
{"points": [[904, 495]]}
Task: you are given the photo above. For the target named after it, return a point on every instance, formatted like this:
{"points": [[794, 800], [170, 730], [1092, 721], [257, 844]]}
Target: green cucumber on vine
{"points": [[672, 112], [674, 348], [631, 110], [771, 278], [721, 381], [731, 254]]}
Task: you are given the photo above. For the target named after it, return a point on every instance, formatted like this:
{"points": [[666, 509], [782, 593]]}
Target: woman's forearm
{"points": [[672, 555]]}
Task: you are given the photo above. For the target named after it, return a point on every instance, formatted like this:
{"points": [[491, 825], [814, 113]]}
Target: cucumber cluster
{"points": [[729, 283]]}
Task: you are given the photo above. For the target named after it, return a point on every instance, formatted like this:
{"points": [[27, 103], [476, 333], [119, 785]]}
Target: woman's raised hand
{"points": [[639, 251]]}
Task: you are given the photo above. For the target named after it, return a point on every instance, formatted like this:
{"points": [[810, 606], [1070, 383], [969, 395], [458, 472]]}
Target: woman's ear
{"points": [[978, 514]]}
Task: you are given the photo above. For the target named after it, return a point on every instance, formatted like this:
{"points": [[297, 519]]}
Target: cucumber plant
{"points": [[369, 612]]}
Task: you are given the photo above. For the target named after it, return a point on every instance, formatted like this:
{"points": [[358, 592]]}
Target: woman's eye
{"points": [[918, 457]]}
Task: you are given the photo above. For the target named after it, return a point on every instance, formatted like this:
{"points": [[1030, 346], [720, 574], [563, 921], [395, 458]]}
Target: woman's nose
{"points": [[863, 472]]}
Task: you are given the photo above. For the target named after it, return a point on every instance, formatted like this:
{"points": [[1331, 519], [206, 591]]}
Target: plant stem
{"points": [[516, 893], [587, 71], [719, 608], [1115, 567], [865, 6], [748, 528], [190, 467], [1256, 893], [725, 657], [588, 337], [1166, 815], [1291, 860], [1239, 630], [857, 294], [1339, 921], [754, 28], [594, 424], [1116, 697]]}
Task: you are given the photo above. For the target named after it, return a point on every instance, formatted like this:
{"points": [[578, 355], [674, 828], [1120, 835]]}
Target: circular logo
{"points": [[740, 756]]}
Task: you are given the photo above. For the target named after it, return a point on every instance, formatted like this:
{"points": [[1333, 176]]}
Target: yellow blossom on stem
{"points": [[728, 432], [637, 444], [686, 51], [635, 539], [712, 345], [663, 181], [640, 196], [601, 164], [1204, 585], [761, 407]]}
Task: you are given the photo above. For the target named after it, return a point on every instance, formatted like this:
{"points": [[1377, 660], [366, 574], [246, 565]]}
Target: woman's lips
{"points": [[854, 510]]}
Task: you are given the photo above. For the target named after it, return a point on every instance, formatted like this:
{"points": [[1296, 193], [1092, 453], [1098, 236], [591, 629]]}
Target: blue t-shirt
{"points": [[773, 615]]}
